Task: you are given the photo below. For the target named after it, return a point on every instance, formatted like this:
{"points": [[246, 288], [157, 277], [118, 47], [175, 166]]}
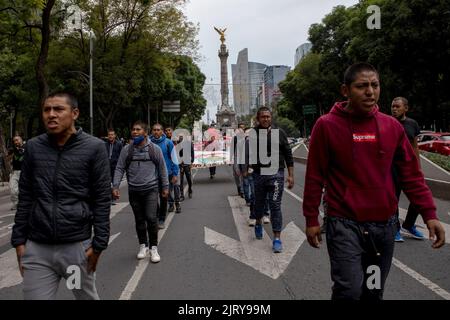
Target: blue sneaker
{"points": [[259, 231], [277, 246], [398, 237], [413, 232]]}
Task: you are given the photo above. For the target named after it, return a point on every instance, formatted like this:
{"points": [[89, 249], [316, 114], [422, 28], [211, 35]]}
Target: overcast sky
{"points": [[271, 30]]}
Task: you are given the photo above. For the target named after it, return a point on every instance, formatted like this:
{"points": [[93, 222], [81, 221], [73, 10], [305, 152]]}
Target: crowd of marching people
{"points": [[360, 160]]}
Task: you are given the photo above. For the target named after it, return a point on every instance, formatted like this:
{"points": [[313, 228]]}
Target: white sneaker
{"points": [[251, 222], [154, 256], [266, 220], [143, 251]]}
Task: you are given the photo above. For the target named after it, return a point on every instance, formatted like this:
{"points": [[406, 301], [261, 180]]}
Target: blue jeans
{"points": [[175, 189], [249, 194], [269, 186]]}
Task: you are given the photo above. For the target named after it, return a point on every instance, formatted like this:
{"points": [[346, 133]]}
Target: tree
{"points": [[411, 52], [307, 84]]}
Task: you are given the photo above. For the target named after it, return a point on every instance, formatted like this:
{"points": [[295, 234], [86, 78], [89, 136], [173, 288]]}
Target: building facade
{"points": [[302, 51], [247, 78], [273, 75]]}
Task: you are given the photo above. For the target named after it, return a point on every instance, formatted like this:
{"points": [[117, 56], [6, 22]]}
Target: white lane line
{"points": [[9, 226], [427, 283], [5, 234], [143, 264], [300, 199], [119, 206], [440, 181], [7, 215]]}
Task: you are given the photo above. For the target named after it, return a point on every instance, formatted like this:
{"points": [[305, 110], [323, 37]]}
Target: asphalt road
{"points": [[209, 253]]}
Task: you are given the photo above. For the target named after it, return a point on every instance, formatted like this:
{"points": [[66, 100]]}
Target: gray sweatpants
{"points": [[45, 264]]}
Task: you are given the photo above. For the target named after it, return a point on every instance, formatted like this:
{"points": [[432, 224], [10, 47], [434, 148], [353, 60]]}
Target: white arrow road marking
{"points": [[420, 224], [10, 275], [300, 199], [252, 252], [143, 264]]}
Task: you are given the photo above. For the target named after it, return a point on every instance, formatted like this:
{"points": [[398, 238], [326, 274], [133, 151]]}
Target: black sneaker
{"points": [[178, 209], [171, 208], [181, 198], [190, 194]]}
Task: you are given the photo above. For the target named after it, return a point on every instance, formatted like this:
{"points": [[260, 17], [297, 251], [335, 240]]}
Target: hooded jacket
{"points": [[169, 153], [354, 156]]}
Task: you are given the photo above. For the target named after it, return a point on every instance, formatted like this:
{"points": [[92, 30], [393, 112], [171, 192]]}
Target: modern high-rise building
{"points": [[302, 51], [247, 78], [273, 75]]}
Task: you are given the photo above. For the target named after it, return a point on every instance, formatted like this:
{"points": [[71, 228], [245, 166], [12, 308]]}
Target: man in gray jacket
{"points": [[64, 193], [144, 165]]}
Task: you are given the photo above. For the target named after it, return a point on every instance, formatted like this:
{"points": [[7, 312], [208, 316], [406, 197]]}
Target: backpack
{"points": [[151, 154]]}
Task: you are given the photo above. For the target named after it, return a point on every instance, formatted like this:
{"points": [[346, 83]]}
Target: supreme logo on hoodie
{"points": [[364, 137]]}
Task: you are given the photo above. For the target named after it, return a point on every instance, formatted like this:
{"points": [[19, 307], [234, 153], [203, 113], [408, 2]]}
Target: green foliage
{"points": [[439, 159], [287, 125], [411, 52], [143, 54]]}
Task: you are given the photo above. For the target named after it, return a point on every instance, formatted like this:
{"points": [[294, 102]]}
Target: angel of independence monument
{"points": [[226, 117]]}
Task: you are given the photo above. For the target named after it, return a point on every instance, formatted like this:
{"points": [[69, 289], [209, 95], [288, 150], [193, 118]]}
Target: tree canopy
{"points": [[144, 52], [411, 51]]}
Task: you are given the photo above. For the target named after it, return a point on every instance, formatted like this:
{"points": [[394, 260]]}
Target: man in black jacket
{"points": [[64, 193], [268, 173], [185, 167], [113, 147]]}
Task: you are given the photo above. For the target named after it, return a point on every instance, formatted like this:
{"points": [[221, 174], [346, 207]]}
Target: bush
{"points": [[439, 159]]}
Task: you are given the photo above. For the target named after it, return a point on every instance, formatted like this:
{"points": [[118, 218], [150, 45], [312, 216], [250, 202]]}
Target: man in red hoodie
{"points": [[352, 151]]}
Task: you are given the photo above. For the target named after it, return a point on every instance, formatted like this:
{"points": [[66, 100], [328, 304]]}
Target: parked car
{"points": [[437, 142]]}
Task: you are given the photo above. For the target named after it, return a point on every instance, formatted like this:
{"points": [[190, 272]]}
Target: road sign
{"points": [[171, 106], [309, 109]]}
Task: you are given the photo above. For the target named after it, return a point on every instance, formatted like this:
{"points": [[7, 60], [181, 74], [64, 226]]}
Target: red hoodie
{"points": [[353, 156]]}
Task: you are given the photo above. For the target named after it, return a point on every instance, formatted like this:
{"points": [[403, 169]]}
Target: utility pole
{"points": [[91, 104]]}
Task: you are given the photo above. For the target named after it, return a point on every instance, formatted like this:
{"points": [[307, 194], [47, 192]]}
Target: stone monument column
{"points": [[226, 117], [223, 55]]}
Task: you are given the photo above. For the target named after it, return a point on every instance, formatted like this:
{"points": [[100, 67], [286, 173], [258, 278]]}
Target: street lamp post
{"points": [[91, 103]]}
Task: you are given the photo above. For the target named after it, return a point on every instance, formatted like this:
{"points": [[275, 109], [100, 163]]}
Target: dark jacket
{"points": [[114, 152], [64, 192], [284, 151]]}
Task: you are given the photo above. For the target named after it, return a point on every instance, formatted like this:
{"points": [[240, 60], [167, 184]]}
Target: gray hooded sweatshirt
{"points": [[146, 171]]}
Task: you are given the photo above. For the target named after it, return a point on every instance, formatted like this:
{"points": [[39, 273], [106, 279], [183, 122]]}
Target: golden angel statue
{"points": [[222, 34]]}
